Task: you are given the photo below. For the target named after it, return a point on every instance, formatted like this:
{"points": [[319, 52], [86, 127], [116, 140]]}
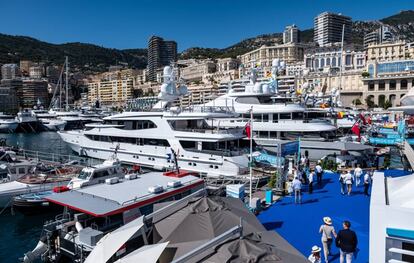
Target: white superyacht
{"points": [[153, 138]]}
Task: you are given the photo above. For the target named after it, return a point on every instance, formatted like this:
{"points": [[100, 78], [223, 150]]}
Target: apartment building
{"points": [[390, 51], [328, 28], [110, 92]]}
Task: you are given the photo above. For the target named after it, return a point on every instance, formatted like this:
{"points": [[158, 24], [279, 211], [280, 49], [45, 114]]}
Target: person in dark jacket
{"points": [[347, 242]]}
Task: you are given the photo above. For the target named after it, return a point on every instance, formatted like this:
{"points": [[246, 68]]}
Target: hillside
{"points": [[84, 57], [89, 58], [401, 25]]}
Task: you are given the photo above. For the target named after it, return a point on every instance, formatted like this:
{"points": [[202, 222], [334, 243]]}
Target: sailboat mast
{"points": [[67, 83]]}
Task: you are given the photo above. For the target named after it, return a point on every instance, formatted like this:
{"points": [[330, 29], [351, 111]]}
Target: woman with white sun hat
{"points": [[315, 256], [328, 232]]}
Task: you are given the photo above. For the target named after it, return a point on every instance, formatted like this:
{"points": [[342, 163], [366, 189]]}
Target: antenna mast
{"points": [[67, 83]]}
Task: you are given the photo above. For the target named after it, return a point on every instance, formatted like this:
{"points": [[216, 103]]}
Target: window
{"points": [[257, 117], [348, 60], [381, 85], [188, 144], [265, 117], [275, 117], [371, 86], [297, 115], [404, 84], [100, 174], [285, 116], [22, 170], [393, 85]]}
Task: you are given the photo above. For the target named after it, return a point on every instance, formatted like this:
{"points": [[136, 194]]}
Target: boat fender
{"points": [[78, 226], [31, 256]]}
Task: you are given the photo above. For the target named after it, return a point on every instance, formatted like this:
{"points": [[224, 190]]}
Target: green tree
{"points": [[369, 102], [357, 102], [365, 74]]}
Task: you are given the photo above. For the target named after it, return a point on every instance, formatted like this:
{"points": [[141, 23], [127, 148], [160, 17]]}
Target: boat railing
{"points": [[56, 157], [213, 130], [202, 109], [131, 201]]}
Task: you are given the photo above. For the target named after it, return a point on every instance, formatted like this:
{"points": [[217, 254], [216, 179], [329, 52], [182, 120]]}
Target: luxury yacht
{"points": [[159, 138], [8, 123], [49, 120]]}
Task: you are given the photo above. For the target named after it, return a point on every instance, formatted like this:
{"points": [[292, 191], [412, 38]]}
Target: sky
{"points": [[126, 24]]}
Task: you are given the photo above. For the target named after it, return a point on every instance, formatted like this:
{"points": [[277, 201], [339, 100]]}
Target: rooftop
{"points": [[106, 199]]}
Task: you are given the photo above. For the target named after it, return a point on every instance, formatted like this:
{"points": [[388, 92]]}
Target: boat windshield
{"points": [[84, 174]]}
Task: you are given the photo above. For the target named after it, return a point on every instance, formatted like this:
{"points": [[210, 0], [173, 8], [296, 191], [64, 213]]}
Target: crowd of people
{"points": [[304, 175], [346, 239]]}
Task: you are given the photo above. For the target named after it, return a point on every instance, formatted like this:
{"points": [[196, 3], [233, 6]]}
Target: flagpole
{"points": [[251, 156]]}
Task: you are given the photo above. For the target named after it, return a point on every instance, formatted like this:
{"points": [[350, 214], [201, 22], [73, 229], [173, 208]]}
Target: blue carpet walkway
{"points": [[299, 224]]}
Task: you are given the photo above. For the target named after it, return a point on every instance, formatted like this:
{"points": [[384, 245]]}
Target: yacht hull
{"points": [[156, 157], [8, 127]]}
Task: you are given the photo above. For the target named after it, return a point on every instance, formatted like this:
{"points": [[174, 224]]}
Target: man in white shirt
{"points": [[342, 178], [297, 186], [310, 179], [367, 182], [319, 172], [358, 173]]}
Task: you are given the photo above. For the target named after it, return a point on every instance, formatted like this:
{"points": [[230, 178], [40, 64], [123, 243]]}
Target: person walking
{"points": [[367, 182], [358, 174], [297, 187], [342, 178], [347, 242], [315, 256], [328, 232], [310, 179], [348, 182], [319, 173]]}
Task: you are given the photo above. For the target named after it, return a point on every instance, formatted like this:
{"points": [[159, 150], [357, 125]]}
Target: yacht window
{"points": [[22, 170], [273, 134], [100, 174], [13, 170], [257, 117], [84, 175], [104, 139], [248, 100], [156, 142], [297, 115], [263, 134], [275, 117], [285, 116], [265, 117], [188, 144]]}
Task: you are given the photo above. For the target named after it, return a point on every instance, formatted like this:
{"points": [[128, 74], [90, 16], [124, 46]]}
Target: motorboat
{"points": [[49, 120], [28, 122], [8, 123], [31, 203], [99, 209], [157, 138], [35, 182]]}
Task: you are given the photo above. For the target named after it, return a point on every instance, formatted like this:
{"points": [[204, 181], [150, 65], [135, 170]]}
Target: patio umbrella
{"points": [[256, 247], [203, 219], [148, 254]]}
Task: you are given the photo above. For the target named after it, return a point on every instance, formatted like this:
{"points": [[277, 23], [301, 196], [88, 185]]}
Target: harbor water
{"points": [[18, 233]]}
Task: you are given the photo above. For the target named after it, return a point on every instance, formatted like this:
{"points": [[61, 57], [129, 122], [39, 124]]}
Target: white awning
{"points": [[113, 241], [148, 254]]}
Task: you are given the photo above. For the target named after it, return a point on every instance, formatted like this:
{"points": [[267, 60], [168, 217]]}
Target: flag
{"points": [[341, 115], [362, 118], [247, 130], [356, 130]]}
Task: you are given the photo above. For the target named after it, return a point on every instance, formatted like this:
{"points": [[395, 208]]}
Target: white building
{"points": [[291, 34], [196, 71], [328, 28], [391, 233], [10, 71]]}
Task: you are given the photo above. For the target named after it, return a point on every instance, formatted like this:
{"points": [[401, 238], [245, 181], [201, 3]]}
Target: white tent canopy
{"points": [[148, 254], [113, 241]]}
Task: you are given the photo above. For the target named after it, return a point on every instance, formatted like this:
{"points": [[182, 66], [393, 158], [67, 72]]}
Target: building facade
{"points": [[36, 72], [160, 53], [328, 28], [263, 56], [388, 81], [320, 59], [390, 51], [32, 91], [8, 96], [291, 35], [382, 34], [196, 71], [10, 71], [110, 92]]}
